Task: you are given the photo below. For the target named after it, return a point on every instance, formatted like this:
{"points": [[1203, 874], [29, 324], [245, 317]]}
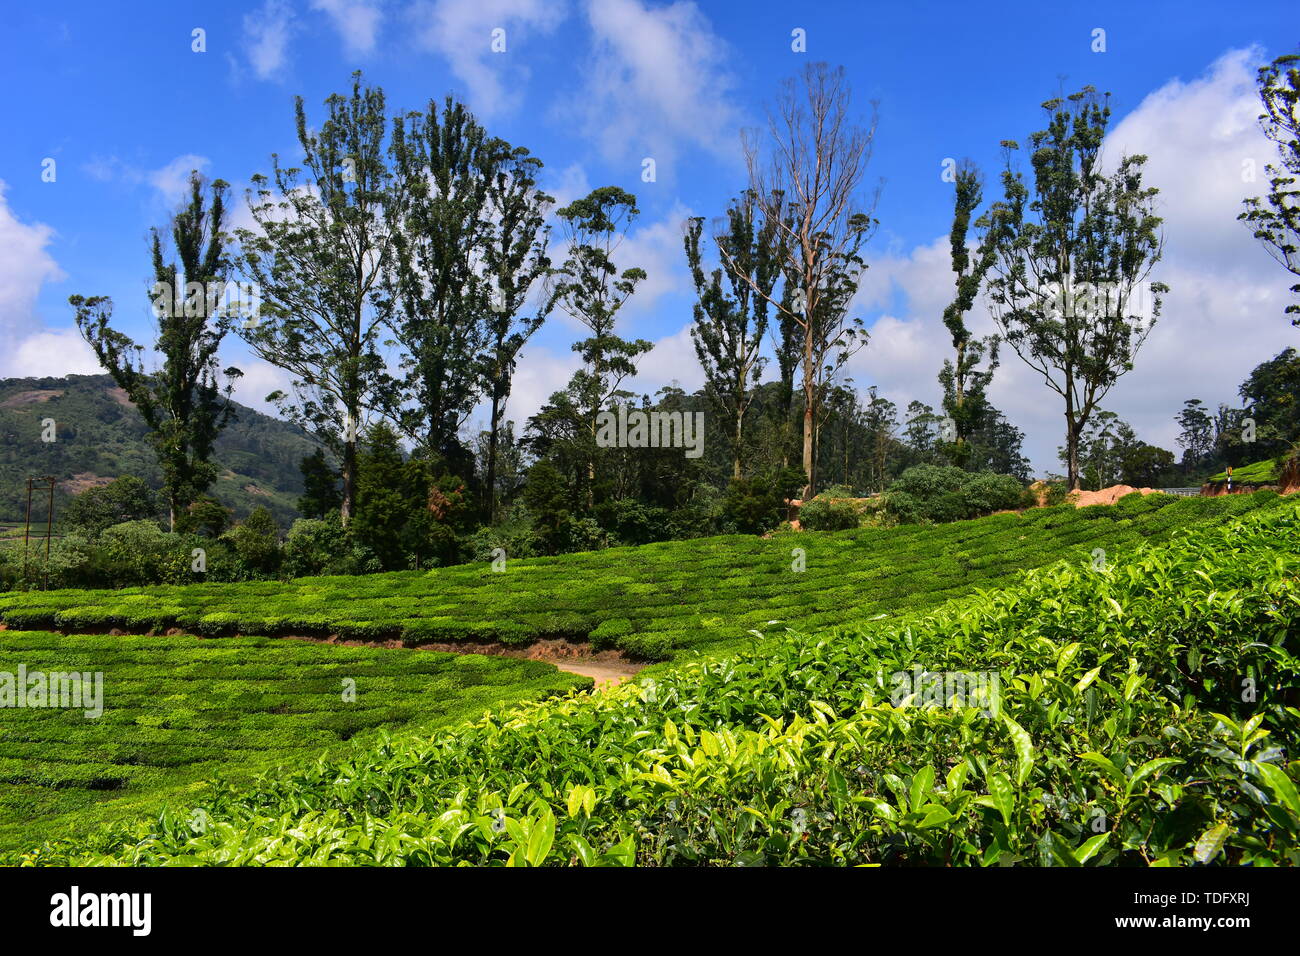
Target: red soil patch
{"points": [[1107, 496], [119, 395], [31, 397], [82, 481]]}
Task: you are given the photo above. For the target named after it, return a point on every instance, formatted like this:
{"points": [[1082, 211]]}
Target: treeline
{"points": [[396, 274]]}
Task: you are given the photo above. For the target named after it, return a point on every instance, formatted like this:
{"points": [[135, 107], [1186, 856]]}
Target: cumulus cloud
{"points": [[357, 22], [568, 184], [672, 362], [461, 32], [26, 347], [1222, 317], [173, 180], [658, 80], [267, 31], [259, 380]]}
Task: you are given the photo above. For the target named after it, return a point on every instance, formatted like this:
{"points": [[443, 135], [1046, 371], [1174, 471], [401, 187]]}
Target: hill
{"points": [[100, 437]]}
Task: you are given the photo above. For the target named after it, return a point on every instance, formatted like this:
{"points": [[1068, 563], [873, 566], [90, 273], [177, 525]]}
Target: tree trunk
{"points": [[809, 397], [1071, 448], [349, 506], [492, 458], [735, 465]]}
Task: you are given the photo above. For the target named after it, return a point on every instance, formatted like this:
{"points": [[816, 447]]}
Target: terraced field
{"points": [[1120, 735], [654, 601], [179, 711]]}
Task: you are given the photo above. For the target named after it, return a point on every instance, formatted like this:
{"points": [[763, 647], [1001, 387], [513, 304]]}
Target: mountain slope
{"points": [[100, 436]]}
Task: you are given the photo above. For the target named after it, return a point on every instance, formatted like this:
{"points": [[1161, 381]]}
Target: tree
{"points": [[589, 287], [1071, 260], [921, 433], [997, 446], [383, 509], [435, 297], [881, 422], [810, 194], [729, 322], [1277, 224], [1196, 437], [320, 485], [514, 259], [1272, 398], [963, 382], [1111, 453], [122, 499], [321, 245], [185, 403]]}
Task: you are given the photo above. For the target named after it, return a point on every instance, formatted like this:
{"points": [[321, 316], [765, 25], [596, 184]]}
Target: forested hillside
{"points": [[98, 436]]}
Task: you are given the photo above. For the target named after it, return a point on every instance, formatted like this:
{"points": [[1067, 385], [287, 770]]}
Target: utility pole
{"points": [[47, 482]]}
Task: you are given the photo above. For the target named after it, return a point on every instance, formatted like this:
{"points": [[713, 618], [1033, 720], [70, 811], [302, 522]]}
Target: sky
{"points": [[106, 108]]}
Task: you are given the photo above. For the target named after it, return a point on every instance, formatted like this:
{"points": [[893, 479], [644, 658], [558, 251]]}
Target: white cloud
{"points": [[672, 361], [1223, 317], [357, 22], [540, 373], [461, 32], [27, 348], [266, 38], [51, 353], [658, 80], [173, 180], [568, 184], [259, 380], [656, 248]]}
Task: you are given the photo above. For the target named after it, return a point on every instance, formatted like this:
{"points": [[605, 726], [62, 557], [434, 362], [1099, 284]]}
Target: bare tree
{"points": [[809, 188]]}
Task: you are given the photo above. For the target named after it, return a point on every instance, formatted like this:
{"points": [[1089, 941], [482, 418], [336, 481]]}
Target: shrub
{"points": [[941, 493], [632, 521], [123, 499], [321, 546], [758, 504], [256, 542], [825, 514]]}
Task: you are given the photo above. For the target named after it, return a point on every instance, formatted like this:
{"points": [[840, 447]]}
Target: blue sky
{"points": [[114, 94]]}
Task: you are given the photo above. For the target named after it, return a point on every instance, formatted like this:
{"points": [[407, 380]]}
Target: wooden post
{"points": [[49, 530], [27, 527]]}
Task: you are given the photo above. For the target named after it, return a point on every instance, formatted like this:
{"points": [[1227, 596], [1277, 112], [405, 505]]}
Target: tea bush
{"points": [[179, 710], [706, 594], [1120, 735]]}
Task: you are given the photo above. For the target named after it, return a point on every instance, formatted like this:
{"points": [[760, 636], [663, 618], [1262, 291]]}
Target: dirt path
{"points": [[605, 675], [608, 668]]}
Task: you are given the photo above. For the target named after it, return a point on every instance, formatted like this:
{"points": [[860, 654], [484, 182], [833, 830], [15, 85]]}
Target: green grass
{"points": [[658, 600], [1122, 737], [180, 711], [1257, 473]]}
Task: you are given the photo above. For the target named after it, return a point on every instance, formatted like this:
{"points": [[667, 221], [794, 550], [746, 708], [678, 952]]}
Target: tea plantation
{"points": [[1121, 735], [654, 601], [180, 710]]}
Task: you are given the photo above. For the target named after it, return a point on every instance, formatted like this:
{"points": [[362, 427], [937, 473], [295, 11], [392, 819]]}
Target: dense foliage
{"points": [[656, 600], [947, 493], [1141, 718]]}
